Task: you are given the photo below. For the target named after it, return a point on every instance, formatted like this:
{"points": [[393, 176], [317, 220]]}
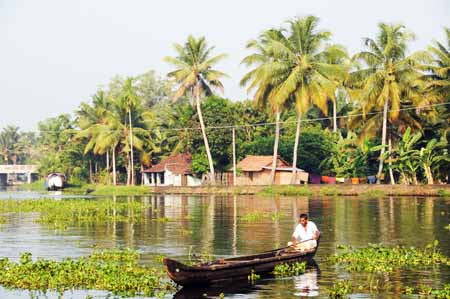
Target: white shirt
{"points": [[305, 233]]}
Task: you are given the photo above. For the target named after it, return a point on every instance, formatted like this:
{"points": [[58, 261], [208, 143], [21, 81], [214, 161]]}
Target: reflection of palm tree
{"points": [[208, 228]]}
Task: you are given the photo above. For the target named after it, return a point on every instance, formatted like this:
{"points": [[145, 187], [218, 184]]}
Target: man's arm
{"points": [[294, 236], [317, 235], [293, 240]]}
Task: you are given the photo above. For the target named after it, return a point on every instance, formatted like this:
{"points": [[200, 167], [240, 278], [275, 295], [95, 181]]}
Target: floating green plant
{"points": [[340, 289], [289, 269], [162, 219], [428, 292], [253, 277], [252, 217], [379, 259], [116, 271], [259, 216], [63, 212], [276, 216]]}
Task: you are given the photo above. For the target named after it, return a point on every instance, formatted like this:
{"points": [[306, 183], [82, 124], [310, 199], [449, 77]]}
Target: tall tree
{"points": [[301, 68], [194, 75], [440, 77], [130, 99], [9, 144], [260, 81], [384, 74]]}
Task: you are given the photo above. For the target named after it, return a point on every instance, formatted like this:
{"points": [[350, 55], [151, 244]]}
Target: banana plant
{"points": [[404, 158], [433, 156]]}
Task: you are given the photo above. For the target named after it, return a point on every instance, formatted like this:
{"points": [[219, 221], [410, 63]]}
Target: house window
{"points": [[250, 174], [161, 178]]}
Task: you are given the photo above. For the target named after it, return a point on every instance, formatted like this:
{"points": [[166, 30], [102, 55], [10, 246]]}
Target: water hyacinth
{"points": [[289, 269], [80, 211], [116, 271], [260, 216], [340, 289], [379, 259]]}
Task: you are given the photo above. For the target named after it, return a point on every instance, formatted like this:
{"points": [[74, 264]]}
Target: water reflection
{"points": [[306, 284], [173, 225]]}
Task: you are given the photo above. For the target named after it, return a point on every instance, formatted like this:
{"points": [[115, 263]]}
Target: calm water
{"points": [[214, 225]]}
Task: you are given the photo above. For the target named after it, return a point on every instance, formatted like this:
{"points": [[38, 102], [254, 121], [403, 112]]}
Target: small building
{"points": [[255, 170], [172, 171]]}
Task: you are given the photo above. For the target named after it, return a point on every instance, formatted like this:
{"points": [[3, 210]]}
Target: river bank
{"points": [[291, 190]]}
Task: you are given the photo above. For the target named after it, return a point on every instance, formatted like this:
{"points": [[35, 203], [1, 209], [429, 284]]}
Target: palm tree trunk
{"points": [[107, 160], [131, 148], [90, 171], [294, 154], [114, 165], [128, 170], [205, 138], [391, 173], [383, 141], [275, 148], [334, 116]]}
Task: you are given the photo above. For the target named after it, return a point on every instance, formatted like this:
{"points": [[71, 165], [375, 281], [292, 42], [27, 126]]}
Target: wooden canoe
{"points": [[234, 268]]}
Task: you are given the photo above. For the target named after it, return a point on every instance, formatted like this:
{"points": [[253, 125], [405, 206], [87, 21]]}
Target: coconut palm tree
{"points": [[385, 73], [263, 85], [299, 67], [195, 76], [130, 99], [10, 147], [437, 78], [440, 83], [91, 119]]}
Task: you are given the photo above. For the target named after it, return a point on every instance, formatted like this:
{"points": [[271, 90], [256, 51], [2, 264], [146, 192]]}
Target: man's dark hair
{"points": [[303, 216]]}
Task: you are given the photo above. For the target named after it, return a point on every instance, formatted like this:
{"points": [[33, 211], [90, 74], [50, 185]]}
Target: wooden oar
{"points": [[279, 251]]}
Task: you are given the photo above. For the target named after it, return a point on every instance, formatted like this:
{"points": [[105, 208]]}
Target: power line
{"points": [[74, 131]]}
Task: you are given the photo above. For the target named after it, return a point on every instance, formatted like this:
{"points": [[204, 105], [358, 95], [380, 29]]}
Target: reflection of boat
{"points": [[234, 268], [214, 291], [55, 181]]}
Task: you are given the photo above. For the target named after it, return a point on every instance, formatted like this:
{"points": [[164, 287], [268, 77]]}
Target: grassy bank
{"points": [[304, 190], [35, 186], [101, 190]]}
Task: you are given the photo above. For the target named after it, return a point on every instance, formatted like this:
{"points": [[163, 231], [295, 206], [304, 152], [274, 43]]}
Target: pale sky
{"points": [[55, 54]]}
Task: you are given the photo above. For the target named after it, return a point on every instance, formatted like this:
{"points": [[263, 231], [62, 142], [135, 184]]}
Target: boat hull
{"points": [[234, 268]]}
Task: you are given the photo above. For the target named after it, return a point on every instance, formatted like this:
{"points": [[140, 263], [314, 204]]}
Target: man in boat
{"points": [[305, 235]]}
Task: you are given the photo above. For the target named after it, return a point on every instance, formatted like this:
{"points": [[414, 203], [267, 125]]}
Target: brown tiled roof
{"points": [[178, 164], [257, 163]]}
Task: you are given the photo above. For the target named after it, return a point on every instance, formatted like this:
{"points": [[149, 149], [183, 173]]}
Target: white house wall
{"points": [[193, 181], [171, 179]]}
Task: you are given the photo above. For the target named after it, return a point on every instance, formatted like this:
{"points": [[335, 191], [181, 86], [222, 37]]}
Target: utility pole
{"points": [[234, 157]]}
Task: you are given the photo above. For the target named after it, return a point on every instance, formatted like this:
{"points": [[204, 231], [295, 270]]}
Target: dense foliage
{"points": [[390, 112], [117, 271]]}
